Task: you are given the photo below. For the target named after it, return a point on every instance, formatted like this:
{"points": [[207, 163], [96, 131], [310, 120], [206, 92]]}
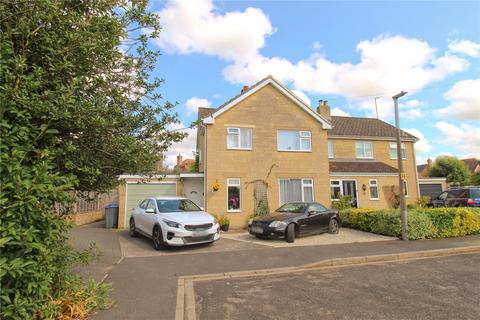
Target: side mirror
{"points": [[202, 208], [311, 212], [150, 210]]}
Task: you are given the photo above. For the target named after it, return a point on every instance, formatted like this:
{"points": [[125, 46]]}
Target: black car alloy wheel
{"points": [[157, 238], [333, 226]]}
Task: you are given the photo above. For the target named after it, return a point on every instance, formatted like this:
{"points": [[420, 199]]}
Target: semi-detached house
{"points": [[266, 147]]}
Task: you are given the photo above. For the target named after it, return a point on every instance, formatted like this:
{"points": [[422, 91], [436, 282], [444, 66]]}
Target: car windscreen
{"points": [[475, 193], [177, 205], [293, 207]]}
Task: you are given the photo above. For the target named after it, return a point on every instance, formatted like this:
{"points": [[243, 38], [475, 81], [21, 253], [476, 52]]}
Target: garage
{"points": [[135, 192], [431, 187]]}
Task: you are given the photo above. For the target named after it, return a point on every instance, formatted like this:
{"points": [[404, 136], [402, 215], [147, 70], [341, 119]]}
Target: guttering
{"points": [[362, 174]]}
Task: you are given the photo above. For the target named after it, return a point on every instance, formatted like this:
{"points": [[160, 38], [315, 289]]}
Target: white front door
{"points": [[193, 190]]}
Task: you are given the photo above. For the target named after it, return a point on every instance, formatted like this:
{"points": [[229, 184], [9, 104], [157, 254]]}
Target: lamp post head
{"points": [[399, 95]]}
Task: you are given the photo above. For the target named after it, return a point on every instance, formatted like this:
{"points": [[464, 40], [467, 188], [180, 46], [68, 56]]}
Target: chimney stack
{"points": [[324, 109], [179, 160], [245, 88], [429, 163]]}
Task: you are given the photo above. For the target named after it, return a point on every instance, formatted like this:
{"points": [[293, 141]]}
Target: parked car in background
{"points": [[173, 221], [296, 219], [458, 197]]}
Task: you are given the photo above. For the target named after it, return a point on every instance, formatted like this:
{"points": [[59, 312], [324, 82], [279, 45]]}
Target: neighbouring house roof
{"points": [[422, 169], [364, 127], [185, 166], [471, 163], [360, 166], [257, 86], [205, 112]]}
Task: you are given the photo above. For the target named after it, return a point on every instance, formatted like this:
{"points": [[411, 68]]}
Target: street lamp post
{"points": [[401, 174]]}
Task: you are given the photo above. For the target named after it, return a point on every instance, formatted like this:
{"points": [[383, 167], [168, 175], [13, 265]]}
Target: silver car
{"points": [[173, 221]]}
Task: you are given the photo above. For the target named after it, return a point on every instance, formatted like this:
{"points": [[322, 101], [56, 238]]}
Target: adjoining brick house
{"points": [[267, 147]]}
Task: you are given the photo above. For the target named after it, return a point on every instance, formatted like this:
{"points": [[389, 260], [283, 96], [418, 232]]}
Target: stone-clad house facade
{"points": [[266, 147]]}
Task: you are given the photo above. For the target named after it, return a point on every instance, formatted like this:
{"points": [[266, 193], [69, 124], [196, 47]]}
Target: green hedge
{"points": [[423, 223]]}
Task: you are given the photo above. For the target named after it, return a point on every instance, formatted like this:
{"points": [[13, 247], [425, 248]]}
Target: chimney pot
{"points": [[429, 162], [245, 88], [179, 159]]}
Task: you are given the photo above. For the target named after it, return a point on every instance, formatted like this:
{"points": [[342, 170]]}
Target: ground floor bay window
{"points": [[296, 190]]}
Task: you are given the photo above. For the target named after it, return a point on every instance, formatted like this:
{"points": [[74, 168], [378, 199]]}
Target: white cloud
{"points": [[464, 99], [422, 145], [300, 94], [466, 47], [339, 112], [194, 103], [387, 65], [198, 26], [186, 147], [465, 138]]}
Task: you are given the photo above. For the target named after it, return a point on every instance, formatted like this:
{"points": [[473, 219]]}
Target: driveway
{"points": [[345, 235]]}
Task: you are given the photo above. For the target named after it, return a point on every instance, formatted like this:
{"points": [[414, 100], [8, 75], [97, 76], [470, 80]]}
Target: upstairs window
{"points": [[239, 138], [364, 150], [330, 149], [289, 140], [393, 151]]}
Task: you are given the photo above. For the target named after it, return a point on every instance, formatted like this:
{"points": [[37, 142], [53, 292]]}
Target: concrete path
{"points": [[145, 285]]}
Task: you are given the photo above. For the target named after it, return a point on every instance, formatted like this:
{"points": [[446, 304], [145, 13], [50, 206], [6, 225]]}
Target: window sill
{"points": [[234, 211], [241, 149], [282, 150], [368, 158], [375, 199]]}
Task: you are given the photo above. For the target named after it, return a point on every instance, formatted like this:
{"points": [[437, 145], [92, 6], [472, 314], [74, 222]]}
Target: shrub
{"points": [[344, 202], [422, 223], [423, 201]]}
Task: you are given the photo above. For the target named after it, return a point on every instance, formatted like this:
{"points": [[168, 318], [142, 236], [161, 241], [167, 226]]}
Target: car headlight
{"points": [[172, 224], [277, 224], [250, 221]]}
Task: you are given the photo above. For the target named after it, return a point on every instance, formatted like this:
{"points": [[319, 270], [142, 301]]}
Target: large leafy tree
{"points": [[451, 168], [78, 107]]}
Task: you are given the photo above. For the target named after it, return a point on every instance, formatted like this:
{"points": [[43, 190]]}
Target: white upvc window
{"points": [[330, 148], [373, 185], [290, 140], [233, 195], [239, 138], [296, 190], [393, 151], [364, 149], [335, 189], [405, 188]]}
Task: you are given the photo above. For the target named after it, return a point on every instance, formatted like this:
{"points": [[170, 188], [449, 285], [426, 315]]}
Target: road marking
{"points": [[185, 309]]}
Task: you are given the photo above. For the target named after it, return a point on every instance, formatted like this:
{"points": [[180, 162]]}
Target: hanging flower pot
{"points": [[216, 186]]}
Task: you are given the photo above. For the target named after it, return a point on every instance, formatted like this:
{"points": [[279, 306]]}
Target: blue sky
{"points": [[345, 52]]}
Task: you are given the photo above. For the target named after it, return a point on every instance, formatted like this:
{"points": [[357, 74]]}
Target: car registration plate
{"points": [[257, 230], [199, 233]]}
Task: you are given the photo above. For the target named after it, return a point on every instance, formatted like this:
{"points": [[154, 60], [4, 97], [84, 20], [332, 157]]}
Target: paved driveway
{"points": [[345, 235]]}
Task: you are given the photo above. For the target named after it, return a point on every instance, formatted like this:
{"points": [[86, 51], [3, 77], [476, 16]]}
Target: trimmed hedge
{"points": [[423, 223]]}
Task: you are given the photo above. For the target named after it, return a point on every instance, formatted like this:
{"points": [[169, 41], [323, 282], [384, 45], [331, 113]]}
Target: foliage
{"points": [[75, 112], [422, 223], [423, 201], [223, 220], [262, 209], [475, 179], [196, 164], [451, 168], [344, 202]]}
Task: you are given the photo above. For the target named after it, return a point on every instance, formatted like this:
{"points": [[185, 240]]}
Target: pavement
{"points": [[146, 283]]}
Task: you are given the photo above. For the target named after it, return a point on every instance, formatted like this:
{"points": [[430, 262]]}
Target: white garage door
{"points": [[137, 192]]}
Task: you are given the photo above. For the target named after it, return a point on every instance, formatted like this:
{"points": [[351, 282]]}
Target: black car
{"points": [[458, 197], [296, 219]]}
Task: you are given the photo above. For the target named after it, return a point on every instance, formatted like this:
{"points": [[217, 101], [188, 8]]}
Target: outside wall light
{"points": [[364, 187]]}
